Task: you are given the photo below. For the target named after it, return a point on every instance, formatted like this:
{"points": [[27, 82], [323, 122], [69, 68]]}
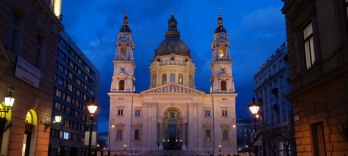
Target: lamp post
{"points": [[92, 108], [220, 150], [254, 109]]}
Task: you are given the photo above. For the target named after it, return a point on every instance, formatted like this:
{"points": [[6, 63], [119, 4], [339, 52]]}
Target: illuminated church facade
{"points": [[172, 114]]}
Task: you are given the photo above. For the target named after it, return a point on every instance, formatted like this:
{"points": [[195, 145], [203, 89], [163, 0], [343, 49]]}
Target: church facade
{"points": [[172, 114]]}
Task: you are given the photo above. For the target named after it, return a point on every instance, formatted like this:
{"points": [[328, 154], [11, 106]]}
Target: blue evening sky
{"points": [[255, 28]]}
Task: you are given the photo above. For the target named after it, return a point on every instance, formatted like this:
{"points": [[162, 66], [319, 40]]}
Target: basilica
{"points": [[172, 116]]}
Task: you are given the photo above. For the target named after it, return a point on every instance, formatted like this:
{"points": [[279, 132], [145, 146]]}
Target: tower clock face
{"points": [[123, 70], [222, 70]]}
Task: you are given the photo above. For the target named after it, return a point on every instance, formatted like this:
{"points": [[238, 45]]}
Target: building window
{"points": [[224, 112], [13, 32], [137, 112], [153, 80], [190, 80], [181, 81], [207, 113], [221, 52], [225, 135], [121, 85], [164, 79], [66, 135], [172, 77], [223, 86], [207, 135], [123, 52], [119, 134], [120, 112], [309, 45], [136, 135], [318, 139]]}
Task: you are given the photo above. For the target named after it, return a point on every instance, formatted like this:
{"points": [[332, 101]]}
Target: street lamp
{"points": [[9, 100], [92, 108], [220, 150], [254, 109]]}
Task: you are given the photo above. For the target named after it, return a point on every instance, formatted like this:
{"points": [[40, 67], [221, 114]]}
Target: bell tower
{"points": [[123, 77], [221, 79]]}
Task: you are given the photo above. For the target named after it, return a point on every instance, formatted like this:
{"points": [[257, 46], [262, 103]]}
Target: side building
{"points": [[317, 33], [76, 84], [271, 88], [28, 47]]}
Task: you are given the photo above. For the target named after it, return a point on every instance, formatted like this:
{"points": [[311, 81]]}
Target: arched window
{"points": [[153, 80], [190, 80], [121, 85], [123, 52], [207, 135], [119, 134], [29, 118], [181, 81], [223, 86], [164, 79], [136, 134], [172, 77], [221, 52]]}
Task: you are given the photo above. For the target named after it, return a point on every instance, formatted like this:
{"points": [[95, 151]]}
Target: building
{"points": [[271, 88], [76, 84], [317, 33], [172, 114], [244, 130], [28, 43]]}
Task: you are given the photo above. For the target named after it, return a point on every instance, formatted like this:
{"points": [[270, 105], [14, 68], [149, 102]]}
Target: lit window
{"points": [[221, 52], [181, 79], [66, 135], [309, 45], [123, 51]]}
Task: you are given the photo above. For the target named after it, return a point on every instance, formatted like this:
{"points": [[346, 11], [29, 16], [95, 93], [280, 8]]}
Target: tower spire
{"points": [[172, 27], [220, 27], [125, 27]]}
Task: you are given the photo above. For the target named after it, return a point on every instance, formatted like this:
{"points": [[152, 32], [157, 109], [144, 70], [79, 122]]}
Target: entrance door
{"points": [[172, 139], [27, 140]]}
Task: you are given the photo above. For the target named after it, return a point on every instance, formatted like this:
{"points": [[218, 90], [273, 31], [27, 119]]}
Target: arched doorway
{"points": [[29, 133], [172, 130]]}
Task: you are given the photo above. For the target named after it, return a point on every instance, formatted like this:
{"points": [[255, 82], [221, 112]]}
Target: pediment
{"points": [[173, 88]]}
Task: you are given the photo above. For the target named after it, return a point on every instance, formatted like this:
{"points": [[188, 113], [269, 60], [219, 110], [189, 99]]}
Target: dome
{"points": [[172, 45], [172, 42]]}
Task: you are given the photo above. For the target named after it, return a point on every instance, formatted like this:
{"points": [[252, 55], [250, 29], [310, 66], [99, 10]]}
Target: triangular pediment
{"points": [[173, 88]]}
